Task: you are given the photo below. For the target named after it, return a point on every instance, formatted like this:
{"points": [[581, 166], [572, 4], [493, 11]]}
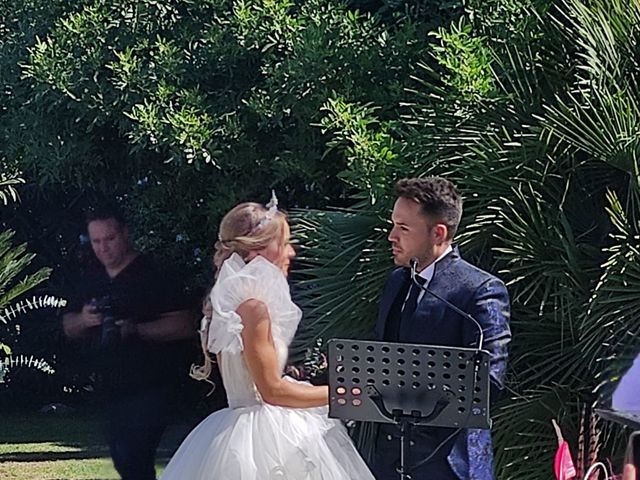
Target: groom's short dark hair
{"points": [[438, 198]]}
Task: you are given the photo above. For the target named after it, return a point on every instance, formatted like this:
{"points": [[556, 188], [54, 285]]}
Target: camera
{"points": [[109, 331]]}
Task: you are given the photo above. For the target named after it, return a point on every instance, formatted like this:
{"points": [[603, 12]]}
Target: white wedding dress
{"points": [[252, 440]]}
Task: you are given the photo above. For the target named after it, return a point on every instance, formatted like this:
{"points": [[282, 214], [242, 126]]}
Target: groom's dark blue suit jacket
{"points": [[484, 297]]}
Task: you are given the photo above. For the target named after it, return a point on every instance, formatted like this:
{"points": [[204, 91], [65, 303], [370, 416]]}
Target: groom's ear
{"points": [[440, 233]]}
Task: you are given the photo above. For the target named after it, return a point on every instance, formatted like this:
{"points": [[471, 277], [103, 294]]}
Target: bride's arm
{"points": [[261, 359]]}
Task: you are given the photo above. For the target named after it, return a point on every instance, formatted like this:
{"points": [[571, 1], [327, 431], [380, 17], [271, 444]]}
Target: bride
{"points": [[275, 427]]}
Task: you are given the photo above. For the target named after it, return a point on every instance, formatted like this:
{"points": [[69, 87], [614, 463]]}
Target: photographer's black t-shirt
{"points": [[139, 293]]}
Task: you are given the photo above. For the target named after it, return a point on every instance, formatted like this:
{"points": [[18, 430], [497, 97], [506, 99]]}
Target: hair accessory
{"points": [[273, 203], [272, 209]]}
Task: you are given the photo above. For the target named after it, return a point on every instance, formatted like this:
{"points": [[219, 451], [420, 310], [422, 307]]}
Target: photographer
{"points": [[136, 319]]}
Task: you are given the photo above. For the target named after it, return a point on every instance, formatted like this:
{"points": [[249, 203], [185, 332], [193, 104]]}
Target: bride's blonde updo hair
{"points": [[245, 228]]}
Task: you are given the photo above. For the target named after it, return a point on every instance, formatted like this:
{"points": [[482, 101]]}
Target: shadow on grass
{"points": [[52, 456], [25, 428], [38, 437], [162, 459], [68, 446]]}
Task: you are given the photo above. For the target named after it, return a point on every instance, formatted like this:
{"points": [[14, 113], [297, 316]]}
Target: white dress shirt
{"points": [[427, 275]]}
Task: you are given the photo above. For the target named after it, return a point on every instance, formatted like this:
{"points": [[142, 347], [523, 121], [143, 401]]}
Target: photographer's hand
{"points": [[78, 324], [90, 316], [128, 328]]}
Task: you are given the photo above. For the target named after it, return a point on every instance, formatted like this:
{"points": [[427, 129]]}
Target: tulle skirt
{"points": [[265, 442]]}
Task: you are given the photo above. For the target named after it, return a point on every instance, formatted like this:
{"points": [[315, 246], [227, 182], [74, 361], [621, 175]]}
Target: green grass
{"points": [[65, 447]]}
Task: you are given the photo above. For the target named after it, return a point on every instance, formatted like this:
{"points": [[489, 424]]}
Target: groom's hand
{"points": [[294, 372]]}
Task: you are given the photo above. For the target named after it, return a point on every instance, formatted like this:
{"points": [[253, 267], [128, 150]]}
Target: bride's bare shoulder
{"points": [[253, 310]]}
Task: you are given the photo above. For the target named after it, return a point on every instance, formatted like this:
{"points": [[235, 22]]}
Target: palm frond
{"points": [[22, 361], [606, 33], [12, 312], [8, 190], [602, 123], [13, 261], [524, 433], [610, 330], [342, 268]]}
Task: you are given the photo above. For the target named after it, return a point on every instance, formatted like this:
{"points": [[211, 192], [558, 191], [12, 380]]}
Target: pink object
{"points": [[563, 463]]}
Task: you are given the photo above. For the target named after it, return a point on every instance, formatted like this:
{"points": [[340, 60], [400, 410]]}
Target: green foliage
{"points": [[339, 249], [14, 283], [507, 20], [14, 260], [182, 109], [467, 59], [11, 362], [205, 82], [367, 144], [8, 191]]}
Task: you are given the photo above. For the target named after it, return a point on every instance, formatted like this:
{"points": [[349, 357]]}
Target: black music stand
{"points": [[407, 385], [628, 419]]}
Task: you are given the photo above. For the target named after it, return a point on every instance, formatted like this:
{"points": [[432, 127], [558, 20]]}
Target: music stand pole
{"points": [[405, 445]]}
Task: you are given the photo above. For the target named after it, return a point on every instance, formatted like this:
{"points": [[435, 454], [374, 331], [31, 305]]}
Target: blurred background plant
{"points": [[17, 279]]}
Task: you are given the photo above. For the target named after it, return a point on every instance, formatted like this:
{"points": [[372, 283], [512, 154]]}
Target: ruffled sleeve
{"points": [[237, 282]]}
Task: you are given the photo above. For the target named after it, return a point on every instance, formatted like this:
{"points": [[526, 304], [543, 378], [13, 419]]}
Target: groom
{"points": [[425, 218]]}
